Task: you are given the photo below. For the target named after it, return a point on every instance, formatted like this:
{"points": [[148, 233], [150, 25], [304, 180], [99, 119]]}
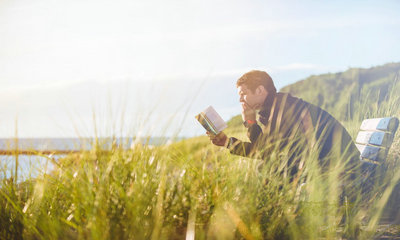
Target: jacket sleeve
{"points": [[246, 149]]}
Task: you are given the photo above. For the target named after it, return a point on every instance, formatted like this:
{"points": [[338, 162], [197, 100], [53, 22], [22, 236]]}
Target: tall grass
{"points": [[195, 190]]}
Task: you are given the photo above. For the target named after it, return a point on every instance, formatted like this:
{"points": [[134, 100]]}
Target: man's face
{"points": [[252, 99]]}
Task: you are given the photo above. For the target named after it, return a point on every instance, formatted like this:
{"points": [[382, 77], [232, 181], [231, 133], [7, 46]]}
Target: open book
{"points": [[211, 120]]}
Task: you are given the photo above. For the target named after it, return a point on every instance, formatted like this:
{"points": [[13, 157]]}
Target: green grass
{"points": [[171, 191]]}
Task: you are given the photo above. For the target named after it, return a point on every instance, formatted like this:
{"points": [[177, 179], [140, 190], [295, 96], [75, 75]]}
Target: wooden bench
{"points": [[375, 138]]}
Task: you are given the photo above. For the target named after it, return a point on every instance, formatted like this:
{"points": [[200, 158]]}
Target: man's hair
{"points": [[255, 78]]}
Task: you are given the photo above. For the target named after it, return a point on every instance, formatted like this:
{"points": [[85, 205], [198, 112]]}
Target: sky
{"points": [[128, 67]]}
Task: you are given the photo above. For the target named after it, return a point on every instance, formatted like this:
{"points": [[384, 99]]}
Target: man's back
{"points": [[291, 124]]}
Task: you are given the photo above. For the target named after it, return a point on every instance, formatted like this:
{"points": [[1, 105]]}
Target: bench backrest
{"points": [[375, 138]]}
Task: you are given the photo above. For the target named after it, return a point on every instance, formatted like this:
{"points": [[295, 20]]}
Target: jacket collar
{"points": [[265, 110]]}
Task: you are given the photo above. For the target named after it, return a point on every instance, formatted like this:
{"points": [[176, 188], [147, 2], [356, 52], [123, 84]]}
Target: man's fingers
{"points": [[217, 141], [211, 136], [246, 106]]}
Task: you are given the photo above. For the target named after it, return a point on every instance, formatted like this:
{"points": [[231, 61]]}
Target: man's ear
{"points": [[260, 90]]}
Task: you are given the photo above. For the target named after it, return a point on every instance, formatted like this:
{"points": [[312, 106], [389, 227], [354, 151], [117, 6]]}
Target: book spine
{"points": [[214, 129]]}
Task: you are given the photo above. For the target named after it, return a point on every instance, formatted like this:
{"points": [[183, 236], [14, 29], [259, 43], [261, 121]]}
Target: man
{"points": [[292, 134], [287, 124]]}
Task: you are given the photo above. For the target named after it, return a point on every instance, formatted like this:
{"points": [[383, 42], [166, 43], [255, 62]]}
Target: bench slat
{"points": [[388, 124], [371, 152], [375, 138]]}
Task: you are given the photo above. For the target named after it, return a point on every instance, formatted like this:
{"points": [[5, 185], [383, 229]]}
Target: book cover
{"points": [[211, 120]]}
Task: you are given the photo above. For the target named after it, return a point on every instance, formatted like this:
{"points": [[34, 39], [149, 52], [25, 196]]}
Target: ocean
{"points": [[31, 166]]}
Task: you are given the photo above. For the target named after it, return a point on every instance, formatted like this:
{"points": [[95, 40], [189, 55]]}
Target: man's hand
{"points": [[248, 113], [219, 140]]}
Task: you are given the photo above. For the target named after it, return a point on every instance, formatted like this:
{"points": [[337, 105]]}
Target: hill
{"points": [[344, 93], [355, 94], [350, 96]]}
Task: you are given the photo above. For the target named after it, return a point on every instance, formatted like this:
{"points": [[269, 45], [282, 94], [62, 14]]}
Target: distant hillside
{"points": [[344, 93]]}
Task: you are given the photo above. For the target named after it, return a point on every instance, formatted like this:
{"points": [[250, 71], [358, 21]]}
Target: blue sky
{"points": [[138, 64]]}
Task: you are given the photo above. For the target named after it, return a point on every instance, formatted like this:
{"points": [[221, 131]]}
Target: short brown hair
{"points": [[255, 78]]}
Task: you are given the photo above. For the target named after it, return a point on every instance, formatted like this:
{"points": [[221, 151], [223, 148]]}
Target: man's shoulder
{"points": [[289, 99], [299, 104]]}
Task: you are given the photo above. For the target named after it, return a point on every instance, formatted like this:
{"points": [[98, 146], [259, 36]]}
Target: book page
{"points": [[211, 120], [205, 122], [215, 119]]}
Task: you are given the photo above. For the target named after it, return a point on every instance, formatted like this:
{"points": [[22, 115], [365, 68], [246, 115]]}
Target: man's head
{"points": [[254, 87]]}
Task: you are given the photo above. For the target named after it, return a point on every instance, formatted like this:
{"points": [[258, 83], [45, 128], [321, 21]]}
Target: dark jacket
{"points": [[289, 124]]}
